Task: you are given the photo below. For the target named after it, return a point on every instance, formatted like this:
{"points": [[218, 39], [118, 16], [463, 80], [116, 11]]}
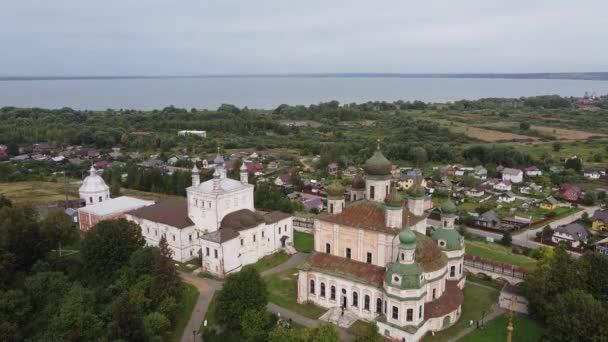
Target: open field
{"points": [[484, 134], [524, 330], [476, 300], [567, 134], [496, 252]]}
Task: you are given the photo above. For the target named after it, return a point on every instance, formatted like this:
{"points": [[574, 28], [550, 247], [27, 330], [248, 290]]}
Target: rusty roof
{"points": [[368, 215], [451, 299], [221, 235], [241, 219], [172, 212], [275, 216], [345, 268], [428, 255]]}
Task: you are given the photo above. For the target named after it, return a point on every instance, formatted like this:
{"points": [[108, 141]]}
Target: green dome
{"points": [[417, 190], [448, 207], [378, 165], [394, 199], [358, 182], [453, 239], [335, 189], [407, 238]]}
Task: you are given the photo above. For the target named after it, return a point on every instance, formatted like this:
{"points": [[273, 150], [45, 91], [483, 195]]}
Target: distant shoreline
{"points": [[589, 76]]}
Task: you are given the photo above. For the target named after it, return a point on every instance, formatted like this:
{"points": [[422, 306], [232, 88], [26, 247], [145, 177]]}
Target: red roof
{"points": [[347, 268], [255, 167], [451, 299]]}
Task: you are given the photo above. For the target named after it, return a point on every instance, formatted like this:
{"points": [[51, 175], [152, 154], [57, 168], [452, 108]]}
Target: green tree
{"points": [[557, 146], [324, 333], [576, 316], [108, 245], [589, 198], [5, 202], [596, 267], [156, 324], [524, 125], [255, 324], [280, 334], [15, 311], [76, 320], [165, 282], [370, 334], [58, 230], [21, 243], [506, 238], [126, 323], [574, 163], [242, 291]]}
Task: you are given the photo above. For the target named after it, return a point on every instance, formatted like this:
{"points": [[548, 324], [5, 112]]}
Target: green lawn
{"points": [[303, 242], [524, 330], [282, 290], [485, 282], [188, 266], [476, 300], [210, 315], [187, 303], [271, 261], [496, 252]]}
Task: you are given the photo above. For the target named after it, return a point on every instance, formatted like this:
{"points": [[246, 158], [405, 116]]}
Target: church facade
{"points": [[373, 258], [217, 222]]}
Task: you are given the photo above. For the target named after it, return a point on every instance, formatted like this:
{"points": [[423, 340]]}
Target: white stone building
{"points": [[373, 259], [514, 176], [217, 222], [93, 189]]}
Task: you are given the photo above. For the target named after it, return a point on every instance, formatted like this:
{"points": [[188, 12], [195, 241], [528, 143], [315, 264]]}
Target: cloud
{"points": [[67, 37]]}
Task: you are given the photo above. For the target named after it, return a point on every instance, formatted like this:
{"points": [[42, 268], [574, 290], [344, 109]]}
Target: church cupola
{"points": [[378, 176], [448, 214], [393, 210], [335, 198], [196, 176], [94, 189], [407, 245], [244, 174], [217, 182], [219, 163], [357, 188], [416, 194]]}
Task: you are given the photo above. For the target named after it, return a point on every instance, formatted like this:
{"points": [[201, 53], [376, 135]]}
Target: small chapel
{"points": [[373, 258]]}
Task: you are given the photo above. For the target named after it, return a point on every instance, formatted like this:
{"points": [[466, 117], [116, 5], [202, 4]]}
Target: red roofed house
{"points": [[533, 171], [255, 167], [372, 260], [570, 193], [41, 148], [3, 152]]}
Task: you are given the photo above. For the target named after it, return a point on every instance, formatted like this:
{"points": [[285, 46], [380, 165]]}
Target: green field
{"points": [[484, 282], [271, 261], [524, 330], [282, 290], [188, 301], [303, 242], [496, 252], [476, 300]]}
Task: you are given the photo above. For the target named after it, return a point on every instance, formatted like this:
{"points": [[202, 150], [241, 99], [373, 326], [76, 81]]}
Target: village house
{"points": [[489, 219], [314, 203], [506, 197], [572, 234], [514, 176], [350, 171], [273, 165], [600, 220], [480, 172], [3, 152], [570, 193], [594, 172], [332, 169], [501, 185], [283, 180], [533, 171], [201, 134], [601, 246], [406, 181], [548, 203], [476, 191], [42, 148]]}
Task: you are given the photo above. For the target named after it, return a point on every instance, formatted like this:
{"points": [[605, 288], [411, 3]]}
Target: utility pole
{"points": [[510, 326]]}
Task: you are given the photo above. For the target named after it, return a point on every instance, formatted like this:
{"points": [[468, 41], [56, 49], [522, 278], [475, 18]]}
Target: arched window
{"points": [[371, 192], [90, 199], [379, 305], [355, 299], [460, 270], [434, 293], [100, 198], [402, 257], [445, 224], [332, 293], [312, 286], [366, 302], [327, 248], [323, 290], [331, 208]]}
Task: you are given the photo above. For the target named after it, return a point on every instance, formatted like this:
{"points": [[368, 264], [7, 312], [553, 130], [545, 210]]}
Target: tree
{"points": [[165, 282], [5, 202], [506, 238], [280, 334], [324, 333], [242, 291], [156, 324], [15, 310], [421, 156], [126, 323], [108, 245], [255, 324], [574, 163], [589, 198], [524, 125], [21, 243], [557, 146], [596, 266], [576, 316], [370, 334], [547, 233], [58, 229], [76, 320]]}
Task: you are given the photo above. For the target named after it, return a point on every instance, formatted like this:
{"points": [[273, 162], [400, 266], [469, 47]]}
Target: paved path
{"points": [[206, 289], [496, 311], [293, 261]]}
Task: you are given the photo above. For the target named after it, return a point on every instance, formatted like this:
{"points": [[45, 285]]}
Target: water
{"points": [[268, 93]]}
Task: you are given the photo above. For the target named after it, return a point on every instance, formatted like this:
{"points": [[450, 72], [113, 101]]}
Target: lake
{"points": [[269, 92]]}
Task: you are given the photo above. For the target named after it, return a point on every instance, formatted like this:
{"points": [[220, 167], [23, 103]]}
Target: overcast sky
{"points": [[152, 37]]}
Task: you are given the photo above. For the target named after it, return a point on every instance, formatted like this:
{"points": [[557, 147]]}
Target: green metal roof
{"points": [[378, 165], [450, 236], [409, 275]]}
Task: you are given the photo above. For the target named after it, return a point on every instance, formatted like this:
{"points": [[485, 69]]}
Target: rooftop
{"points": [[173, 212], [451, 299], [116, 205], [345, 268], [601, 215]]}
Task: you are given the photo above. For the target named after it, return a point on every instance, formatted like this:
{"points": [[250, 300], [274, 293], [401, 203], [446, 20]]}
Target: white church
{"points": [[217, 222]]}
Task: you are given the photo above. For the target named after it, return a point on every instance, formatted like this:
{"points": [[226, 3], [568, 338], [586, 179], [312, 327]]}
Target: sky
{"points": [[194, 37]]}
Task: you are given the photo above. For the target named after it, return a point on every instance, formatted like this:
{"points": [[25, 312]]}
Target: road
{"points": [[524, 239]]}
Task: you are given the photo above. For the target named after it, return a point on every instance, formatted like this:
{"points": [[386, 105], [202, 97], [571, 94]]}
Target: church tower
{"points": [[196, 176], [377, 176], [335, 198], [448, 214], [93, 189], [393, 210], [244, 174], [415, 202], [407, 246]]}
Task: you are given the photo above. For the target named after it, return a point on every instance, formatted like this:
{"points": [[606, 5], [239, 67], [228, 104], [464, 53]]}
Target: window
{"points": [[460, 269], [327, 248], [366, 302], [190, 253], [155, 232], [253, 237], [279, 230], [434, 293], [215, 253], [173, 237], [355, 299], [100, 199], [322, 290], [190, 237], [348, 253], [445, 224], [331, 208], [312, 286], [207, 251], [452, 271], [369, 257], [395, 279], [197, 235], [409, 315], [242, 242], [262, 233], [420, 312], [332, 293], [386, 190], [90, 199], [371, 192], [402, 257], [395, 312], [378, 305], [148, 230]]}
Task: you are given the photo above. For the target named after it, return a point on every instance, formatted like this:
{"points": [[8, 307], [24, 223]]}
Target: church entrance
{"points": [[343, 299], [283, 240]]}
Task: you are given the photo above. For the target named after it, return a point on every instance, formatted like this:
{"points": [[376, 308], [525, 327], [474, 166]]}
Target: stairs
{"points": [[334, 316]]}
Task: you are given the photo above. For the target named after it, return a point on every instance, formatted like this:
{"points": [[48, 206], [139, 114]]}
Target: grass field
{"points": [[303, 242], [271, 261], [282, 290], [524, 330], [496, 252], [188, 301], [484, 282], [476, 300]]}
